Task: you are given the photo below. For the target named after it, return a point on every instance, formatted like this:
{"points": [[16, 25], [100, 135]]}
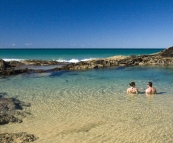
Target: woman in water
{"points": [[132, 89]]}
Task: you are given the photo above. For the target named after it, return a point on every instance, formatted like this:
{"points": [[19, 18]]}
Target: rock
{"points": [[98, 66], [3, 65], [167, 52], [15, 63], [141, 64], [100, 62], [106, 63], [17, 137], [6, 118], [91, 66], [40, 62], [8, 110]]}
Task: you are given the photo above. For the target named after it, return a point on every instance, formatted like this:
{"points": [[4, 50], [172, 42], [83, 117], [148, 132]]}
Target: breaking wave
{"points": [[59, 60], [74, 60]]}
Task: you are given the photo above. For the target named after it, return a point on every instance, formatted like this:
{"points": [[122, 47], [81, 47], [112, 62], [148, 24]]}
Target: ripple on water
{"points": [[92, 106]]}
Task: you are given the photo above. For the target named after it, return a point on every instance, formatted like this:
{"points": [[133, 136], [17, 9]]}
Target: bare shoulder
{"points": [[153, 90]]}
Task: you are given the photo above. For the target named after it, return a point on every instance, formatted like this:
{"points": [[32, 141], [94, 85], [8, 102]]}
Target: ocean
{"points": [[91, 106], [68, 55]]}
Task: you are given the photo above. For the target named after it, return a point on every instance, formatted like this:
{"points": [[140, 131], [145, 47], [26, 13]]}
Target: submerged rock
{"points": [[6, 118], [10, 110], [17, 137]]}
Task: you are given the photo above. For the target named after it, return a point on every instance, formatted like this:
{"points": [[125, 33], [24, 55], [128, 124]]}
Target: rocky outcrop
{"points": [[3, 65], [17, 137], [14, 67], [127, 61], [164, 58], [40, 62], [13, 71], [11, 110], [167, 52]]}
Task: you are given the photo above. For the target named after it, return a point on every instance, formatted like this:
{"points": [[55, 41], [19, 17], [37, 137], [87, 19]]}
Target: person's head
{"points": [[149, 84], [132, 84]]}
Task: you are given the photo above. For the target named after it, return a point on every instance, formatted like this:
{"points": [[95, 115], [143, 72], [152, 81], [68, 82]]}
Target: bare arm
{"points": [[137, 91]]}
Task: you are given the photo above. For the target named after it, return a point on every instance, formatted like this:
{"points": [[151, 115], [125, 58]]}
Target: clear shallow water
{"points": [[92, 106]]}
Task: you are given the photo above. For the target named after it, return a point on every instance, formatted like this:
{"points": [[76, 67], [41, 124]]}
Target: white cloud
{"points": [[13, 44], [27, 44]]}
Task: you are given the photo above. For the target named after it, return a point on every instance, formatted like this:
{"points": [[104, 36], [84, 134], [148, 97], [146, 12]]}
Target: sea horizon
{"points": [[69, 55], [78, 48]]}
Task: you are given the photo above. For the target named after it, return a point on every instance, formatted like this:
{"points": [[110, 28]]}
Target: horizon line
{"points": [[74, 48]]}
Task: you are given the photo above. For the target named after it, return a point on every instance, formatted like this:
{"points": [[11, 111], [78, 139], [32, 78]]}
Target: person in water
{"points": [[132, 89], [150, 89]]}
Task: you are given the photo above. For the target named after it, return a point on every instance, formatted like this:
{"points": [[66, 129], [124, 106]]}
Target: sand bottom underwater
{"points": [[90, 120], [77, 110]]}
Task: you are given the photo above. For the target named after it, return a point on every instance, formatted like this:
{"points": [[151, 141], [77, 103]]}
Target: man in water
{"points": [[150, 89], [132, 89]]}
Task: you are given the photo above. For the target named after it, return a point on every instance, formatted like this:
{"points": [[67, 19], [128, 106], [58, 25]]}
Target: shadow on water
{"points": [[2, 94], [120, 68], [4, 78], [60, 73], [142, 92], [160, 92]]}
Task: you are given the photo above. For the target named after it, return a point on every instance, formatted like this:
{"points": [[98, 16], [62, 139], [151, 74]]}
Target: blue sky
{"points": [[86, 23]]}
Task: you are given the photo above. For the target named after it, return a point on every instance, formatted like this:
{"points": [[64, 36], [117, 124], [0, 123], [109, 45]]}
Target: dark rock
{"points": [[13, 71], [133, 56], [167, 52], [8, 110], [7, 118], [17, 137], [99, 62], [40, 62], [3, 65], [15, 63]]}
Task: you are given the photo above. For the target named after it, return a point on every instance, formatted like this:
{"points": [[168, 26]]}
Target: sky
{"points": [[86, 23]]}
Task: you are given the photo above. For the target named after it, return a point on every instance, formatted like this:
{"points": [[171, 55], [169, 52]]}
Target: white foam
{"points": [[59, 60], [74, 60], [88, 59], [7, 60]]}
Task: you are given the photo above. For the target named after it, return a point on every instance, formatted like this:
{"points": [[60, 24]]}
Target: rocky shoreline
{"points": [[164, 58]]}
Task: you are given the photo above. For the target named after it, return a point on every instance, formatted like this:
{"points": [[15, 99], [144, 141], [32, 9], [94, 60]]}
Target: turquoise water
{"points": [[69, 54], [92, 105]]}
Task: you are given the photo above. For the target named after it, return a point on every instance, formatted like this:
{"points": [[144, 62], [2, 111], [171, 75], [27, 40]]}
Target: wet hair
{"points": [[150, 84], [132, 84]]}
